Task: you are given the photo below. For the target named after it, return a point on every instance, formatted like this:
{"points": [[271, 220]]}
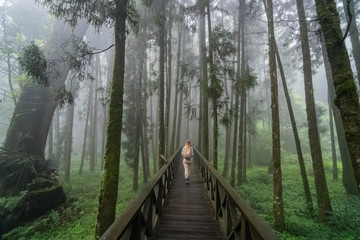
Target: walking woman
{"points": [[188, 155]]}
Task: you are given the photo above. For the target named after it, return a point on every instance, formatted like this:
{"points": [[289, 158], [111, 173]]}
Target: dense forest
{"points": [[93, 92]]}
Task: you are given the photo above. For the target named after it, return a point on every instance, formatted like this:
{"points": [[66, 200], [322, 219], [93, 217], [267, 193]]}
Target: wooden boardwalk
{"points": [[187, 213]]}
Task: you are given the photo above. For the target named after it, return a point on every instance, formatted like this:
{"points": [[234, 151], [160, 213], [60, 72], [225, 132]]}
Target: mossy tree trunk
{"points": [[348, 177], [347, 98], [23, 166], [109, 185]]}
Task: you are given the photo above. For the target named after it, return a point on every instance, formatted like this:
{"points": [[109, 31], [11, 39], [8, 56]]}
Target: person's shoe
{"points": [[187, 181]]}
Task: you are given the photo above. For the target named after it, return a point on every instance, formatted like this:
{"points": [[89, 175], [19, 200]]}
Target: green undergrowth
{"points": [[76, 219], [343, 223]]}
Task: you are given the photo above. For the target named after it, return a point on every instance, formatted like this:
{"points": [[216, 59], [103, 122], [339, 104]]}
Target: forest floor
{"points": [[343, 223], [76, 220]]}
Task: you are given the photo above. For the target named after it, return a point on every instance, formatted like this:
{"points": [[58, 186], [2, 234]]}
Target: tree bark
{"points": [[168, 86], [304, 178], [333, 149], [354, 34], [343, 79], [204, 86], [86, 132], [69, 136], [109, 185], [178, 57], [278, 206], [242, 92], [322, 193], [161, 143], [348, 176]]}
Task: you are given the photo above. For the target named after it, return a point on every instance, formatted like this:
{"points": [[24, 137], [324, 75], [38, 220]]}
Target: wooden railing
{"points": [[140, 217], [238, 219]]}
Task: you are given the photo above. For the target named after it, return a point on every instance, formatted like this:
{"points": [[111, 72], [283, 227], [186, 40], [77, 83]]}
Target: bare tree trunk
{"points": [[92, 129], [278, 206], [304, 178], [68, 138], [322, 193], [333, 149], [178, 57], [50, 143], [237, 100], [57, 140], [86, 132], [8, 57], [350, 15], [161, 143], [181, 99], [168, 85], [204, 85]]}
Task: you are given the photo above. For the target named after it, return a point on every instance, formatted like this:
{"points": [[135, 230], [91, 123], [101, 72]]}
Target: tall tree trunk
{"points": [[86, 132], [348, 176], [8, 57], [178, 57], [350, 15], [343, 79], [168, 86], [68, 138], [93, 139], [237, 100], [214, 93], [322, 193], [50, 143], [242, 92], [30, 138], [278, 206], [161, 143], [333, 148], [304, 178], [110, 63], [181, 98], [92, 129], [109, 185], [204, 85], [57, 141]]}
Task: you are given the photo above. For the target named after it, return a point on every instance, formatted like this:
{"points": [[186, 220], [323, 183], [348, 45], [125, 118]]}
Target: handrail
{"points": [[238, 219], [140, 217]]}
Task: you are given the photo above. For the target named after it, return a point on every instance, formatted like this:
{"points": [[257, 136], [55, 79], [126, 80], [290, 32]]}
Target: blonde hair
{"points": [[187, 143]]}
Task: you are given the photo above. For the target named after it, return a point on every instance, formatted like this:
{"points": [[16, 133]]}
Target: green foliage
{"points": [[346, 216], [222, 43], [343, 223], [98, 13], [78, 55], [76, 218], [33, 62], [62, 96]]}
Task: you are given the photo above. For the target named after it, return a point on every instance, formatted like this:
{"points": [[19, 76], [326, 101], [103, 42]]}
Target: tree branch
{"points": [[84, 55], [349, 22]]}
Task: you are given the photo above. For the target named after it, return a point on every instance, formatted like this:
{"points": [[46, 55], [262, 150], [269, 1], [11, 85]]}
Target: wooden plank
{"points": [[188, 213]]}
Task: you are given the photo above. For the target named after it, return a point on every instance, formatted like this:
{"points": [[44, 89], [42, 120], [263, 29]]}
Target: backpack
{"points": [[187, 153]]}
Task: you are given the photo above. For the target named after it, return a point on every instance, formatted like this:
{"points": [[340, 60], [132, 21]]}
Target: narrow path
{"points": [[188, 213]]}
